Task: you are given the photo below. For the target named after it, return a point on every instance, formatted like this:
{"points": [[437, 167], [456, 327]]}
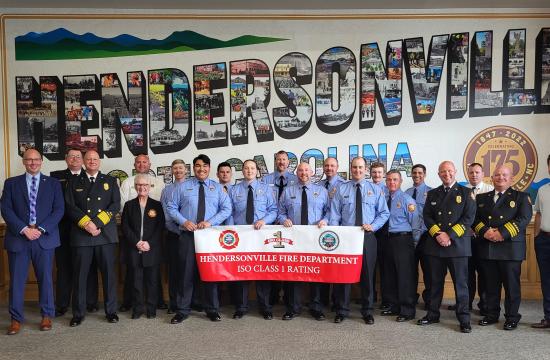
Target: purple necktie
{"points": [[32, 201]]}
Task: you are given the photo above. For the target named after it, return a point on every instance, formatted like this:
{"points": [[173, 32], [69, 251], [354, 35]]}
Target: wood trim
{"points": [[530, 277]]}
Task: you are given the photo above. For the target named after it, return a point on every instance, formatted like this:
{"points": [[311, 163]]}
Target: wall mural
{"points": [[294, 90]]}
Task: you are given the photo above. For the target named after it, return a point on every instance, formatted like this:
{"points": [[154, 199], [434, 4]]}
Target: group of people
{"points": [[461, 229]]}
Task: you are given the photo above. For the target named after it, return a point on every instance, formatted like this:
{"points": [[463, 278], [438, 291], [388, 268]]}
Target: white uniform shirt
{"points": [[482, 188], [542, 205], [128, 190]]}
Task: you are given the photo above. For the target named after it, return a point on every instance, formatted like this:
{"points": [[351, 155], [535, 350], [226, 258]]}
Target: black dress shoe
{"points": [[112, 318], [368, 319], [465, 328], [388, 313], [92, 308], [510, 325], [427, 321], [214, 316], [268, 315], [238, 314], [318, 315], [75, 321], [487, 321], [451, 307], [178, 318], [403, 318], [162, 306], [124, 308], [136, 315], [289, 315], [60, 311], [384, 307], [339, 318], [170, 311]]}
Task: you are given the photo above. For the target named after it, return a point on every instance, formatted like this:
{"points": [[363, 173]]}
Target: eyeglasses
{"points": [[36, 160]]}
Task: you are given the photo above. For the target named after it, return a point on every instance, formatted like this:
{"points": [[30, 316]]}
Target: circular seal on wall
{"points": [[329, 240], [503, 145], [228, 239]]}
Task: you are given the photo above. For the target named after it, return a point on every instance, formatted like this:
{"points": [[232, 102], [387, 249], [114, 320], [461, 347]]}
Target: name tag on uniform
{"points": [[79, 190], [293, 197]]}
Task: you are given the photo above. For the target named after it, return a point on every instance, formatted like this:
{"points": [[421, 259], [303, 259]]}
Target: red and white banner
{"points": [[332, 254]]}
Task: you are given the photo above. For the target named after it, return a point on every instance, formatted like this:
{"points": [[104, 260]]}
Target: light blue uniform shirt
{"points": [[342, 207], [272, 180], [421, 195], [332, 185], [404, 215], [29, 177], [165, 196], [184, 202], [290, 204], [265, 206]]}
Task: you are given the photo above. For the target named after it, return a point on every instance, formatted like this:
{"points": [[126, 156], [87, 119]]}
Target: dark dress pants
{"points": [[499, 273], [293, 296], [172, 257], [342, 291], [64, 280], [458, 267], [187, 273], [399, 272], [475, 278], [105, 257], [145, 286], [239, 289], [420, 258], [542, 249]]}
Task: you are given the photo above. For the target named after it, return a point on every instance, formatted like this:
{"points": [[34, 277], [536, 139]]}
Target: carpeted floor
{"points": [[255, 338]]}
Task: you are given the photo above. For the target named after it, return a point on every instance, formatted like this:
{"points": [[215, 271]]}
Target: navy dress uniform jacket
{"points": [[510, 215], [452, 212], [98, 202]]}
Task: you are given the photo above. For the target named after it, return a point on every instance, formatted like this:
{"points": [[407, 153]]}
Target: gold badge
{"points": [[398, 205], [106, 186], [458, 199], [411, 207], [512, 204], [152, 213]]}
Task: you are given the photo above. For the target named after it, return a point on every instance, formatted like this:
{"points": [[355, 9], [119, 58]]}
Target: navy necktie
{"points": [[414, 194], [250, 206], [201, 209], [281, 185], [304, 217], [358, 206]]}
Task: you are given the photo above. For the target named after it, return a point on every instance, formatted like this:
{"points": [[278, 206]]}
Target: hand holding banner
{"points": [[332, 254]]}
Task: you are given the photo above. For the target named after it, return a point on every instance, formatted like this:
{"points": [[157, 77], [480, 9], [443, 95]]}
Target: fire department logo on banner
{"points": [[329, 240], [229, 239]]}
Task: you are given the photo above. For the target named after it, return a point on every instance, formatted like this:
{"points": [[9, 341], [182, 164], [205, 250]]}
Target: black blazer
{"points": [[510, 215], [453, 213], [153, 229], [99, 203], [64, 177]]}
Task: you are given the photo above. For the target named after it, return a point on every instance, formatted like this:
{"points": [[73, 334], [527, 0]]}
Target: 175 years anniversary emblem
{"points": [[503, 145]]}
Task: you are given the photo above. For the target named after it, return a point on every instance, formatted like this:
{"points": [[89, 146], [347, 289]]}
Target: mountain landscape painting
{"points": [[62, 44]]}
